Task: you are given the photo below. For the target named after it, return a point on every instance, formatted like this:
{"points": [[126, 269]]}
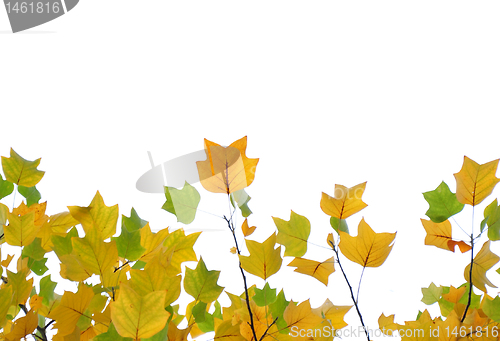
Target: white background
{"points": [[328, 92]]}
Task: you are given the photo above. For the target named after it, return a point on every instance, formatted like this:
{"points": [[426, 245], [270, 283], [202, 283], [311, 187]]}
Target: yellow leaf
{"points": [[386, 324], [264, 259], [247, 230], [345, 202], [226, 331], [98, 215], [439, 235], [300, 318], [447, 327], [233, 250], [6, 298], [319, 270], [483, 261], [21, 287], [226, 169], [260, 322], [71, 308], [20, 171], [21, 230], [455, 294], [35, 302], [176, 334], [152, 242], [475, 182], [333, 313], [23, 326], [139, 316], [72, 269], [369, 249]]}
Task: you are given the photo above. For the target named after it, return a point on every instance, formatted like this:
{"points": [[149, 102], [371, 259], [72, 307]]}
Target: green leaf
{"points": [[199, 311], [38, 266], [20, 171], [442, 203], [335, 222], [111, 335], [34, 250], [492, 308], [47, 288], [182, 203], [134, 222], [277, 309], [432, 294], [492, 219], [201, 283], [129, 244], [293, 234], [62, 245], [139, 265], [242, 199], [218, 310], [30, 193], [475, 301], [264, 296], [6, 187]]}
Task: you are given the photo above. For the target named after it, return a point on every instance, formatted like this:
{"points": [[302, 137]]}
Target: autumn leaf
{"points": [[180, 246], [345, 202], [431, 294], [475, 182], [31, 194], [21, 287], [97, 215], [129, 245], [226, 331], [202, 284], [226, 169], [182, 202], [319, 270], [442, 203], [483, 261], [241, 198], [387, 325], [71, 308], [264, 296], [264, 259], [20, 171], [247, 230], [293, 234], [6, 187], [439, 235], [301, 317], [6, 298], [152, 242], [23, 326], [369, 249], [333, 313], [491, 308], [139, 316], [21, 230], [492, 220]]}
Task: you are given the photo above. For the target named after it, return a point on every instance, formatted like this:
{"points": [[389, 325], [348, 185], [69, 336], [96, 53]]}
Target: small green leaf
{"points": [[277, 309], [134, 222], [34, 250], [442, 203], [38, 266], [139, 265], [201, 283], [492, 308], [264, 296], [182, 203], [129, 244], [492, 219], [242, 198], [30, 193], [335, 222], [6, 187], [218, 310], [111, 335], [432, 294], [47, 288], [293, 234], [199, 311], [63, 245]]}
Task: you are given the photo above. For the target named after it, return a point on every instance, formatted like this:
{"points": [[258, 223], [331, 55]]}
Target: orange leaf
{"points": [[226, 169], [345, 202], [475, 182], [247, 230], [439, 235]]}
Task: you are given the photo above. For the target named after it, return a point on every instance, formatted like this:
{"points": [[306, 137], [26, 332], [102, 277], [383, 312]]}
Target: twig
{"points": [[247, 299], [121, 266], [470, 277], [267, 329], [352, 294]]}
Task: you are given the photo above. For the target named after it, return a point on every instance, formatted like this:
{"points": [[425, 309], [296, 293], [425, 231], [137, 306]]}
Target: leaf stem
{"points": [[470, 277], [247, 299], [355, 301]]}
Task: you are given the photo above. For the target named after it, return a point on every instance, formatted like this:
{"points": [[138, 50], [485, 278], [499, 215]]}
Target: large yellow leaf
{"points": [[261, 321], [152, 242], [319, 270], [475, 182], [71, 308], [439, 235], [345, 202], [264, 259], [226, 169], [139, 316], [98, 215], [20, 171], [483, 261], [368, 249]]}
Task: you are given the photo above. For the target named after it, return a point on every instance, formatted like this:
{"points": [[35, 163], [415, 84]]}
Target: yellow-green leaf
{"points": [[20, 171], [202, 284], [483, 261], [139, 316], [21, 230], [475, 182], [334, 313], [345, 202], [98, 215], [226, 169], [439, 235], [293, 234], [369, 249], [319, 270], [264, 259]]}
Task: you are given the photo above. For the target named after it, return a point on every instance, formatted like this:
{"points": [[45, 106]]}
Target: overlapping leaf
{"points": [[319, 270], [226, 169], [483, 261], [182, 202], [439, 235]]}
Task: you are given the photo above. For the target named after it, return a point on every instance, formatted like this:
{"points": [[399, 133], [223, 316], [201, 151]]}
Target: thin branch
{"points": [[359, 284], [267, 329], [247, 299], [350, 289], [470, 277], [121, 266]]}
